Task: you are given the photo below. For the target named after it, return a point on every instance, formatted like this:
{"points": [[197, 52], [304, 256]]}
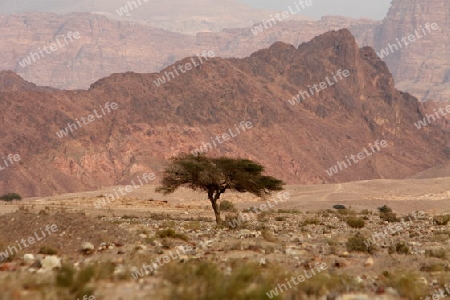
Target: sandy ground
{"points": [[404, 196]]}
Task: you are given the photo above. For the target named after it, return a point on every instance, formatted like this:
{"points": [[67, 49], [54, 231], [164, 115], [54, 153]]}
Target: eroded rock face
{"points": [[295, 142], [109, 46], [423, 66]]}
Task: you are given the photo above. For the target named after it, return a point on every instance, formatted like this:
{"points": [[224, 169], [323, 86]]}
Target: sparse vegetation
{"points": [[400, 248], [204, 280], [441, 220], [269, 236], [438, 253], [47, 250], [170, 233], [355, 222], [356, 244], [215, 176], [409, 285], [226, 205], [339, 206], [384, 209], [10, 197], [389, 217], [288, 211], [310, 221]]}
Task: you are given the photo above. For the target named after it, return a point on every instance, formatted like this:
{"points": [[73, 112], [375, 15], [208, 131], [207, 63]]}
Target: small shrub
{"points": [[269, 236], [280, 218], [438, 253], [389, 217], [346, 212], [407, 284], [234, 221], [226, 205], [47, 250], [441, 220], [263, 217], [169, 232], [159, 217], [385, 209], [339, 206], [355, 222], [129, 217], [357, 244], [438, 267], [311, 221], [402, 248], [10, 197], [64, 276], [288, 211]]}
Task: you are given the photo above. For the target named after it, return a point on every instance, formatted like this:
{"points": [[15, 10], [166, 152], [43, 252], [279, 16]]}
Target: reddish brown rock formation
{"points": [[297, 143]]}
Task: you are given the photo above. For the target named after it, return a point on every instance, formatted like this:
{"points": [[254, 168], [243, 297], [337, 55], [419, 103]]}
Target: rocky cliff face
{"points": [[108, 46], [422, 67], [295, 142]]}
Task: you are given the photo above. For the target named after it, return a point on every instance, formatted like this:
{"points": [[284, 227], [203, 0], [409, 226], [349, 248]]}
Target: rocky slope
{"points": [[423, 66], [296, 143], [109, 46]]}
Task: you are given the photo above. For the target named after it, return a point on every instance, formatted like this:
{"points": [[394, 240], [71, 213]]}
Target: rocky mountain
{"points": [[297, 142], [421, 65], [173, 15], [109, 46]]}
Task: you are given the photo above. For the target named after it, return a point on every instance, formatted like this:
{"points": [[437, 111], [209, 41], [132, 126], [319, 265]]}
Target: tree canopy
{"points": [[216, 175]]}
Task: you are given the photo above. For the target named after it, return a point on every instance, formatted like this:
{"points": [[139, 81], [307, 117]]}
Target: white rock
{"points": [[29, 259], [369, 262], [86, 246], [50, 262]]}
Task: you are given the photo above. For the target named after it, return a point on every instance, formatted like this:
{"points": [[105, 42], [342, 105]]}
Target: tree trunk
{"points": [[213, 198]]}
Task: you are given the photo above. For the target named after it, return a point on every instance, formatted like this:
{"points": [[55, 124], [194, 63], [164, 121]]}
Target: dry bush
{"points": [[226, 205], [355, 222]]}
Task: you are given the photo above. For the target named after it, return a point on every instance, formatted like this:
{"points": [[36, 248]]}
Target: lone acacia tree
{"points": [[215, 176]]}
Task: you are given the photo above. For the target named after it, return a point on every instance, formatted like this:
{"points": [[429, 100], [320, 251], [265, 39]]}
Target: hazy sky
{"points": [[372, 9]]}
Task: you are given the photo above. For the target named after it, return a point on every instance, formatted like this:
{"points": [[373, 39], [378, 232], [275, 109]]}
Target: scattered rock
{"points": [[50, 263], [369, 262], [29, 259], [87, 247]]}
